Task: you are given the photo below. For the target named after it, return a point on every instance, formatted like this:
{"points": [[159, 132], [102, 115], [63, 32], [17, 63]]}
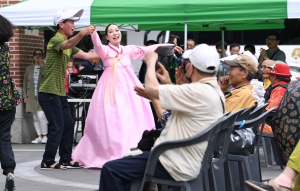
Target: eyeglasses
{"points": [[38, 54], [271, 39], [263, 67]]}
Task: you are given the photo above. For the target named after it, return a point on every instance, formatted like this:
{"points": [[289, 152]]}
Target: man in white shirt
{"points": [[195, 106]]}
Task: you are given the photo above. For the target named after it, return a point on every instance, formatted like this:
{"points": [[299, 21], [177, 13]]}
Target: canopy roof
{"points": [[200, 15]]}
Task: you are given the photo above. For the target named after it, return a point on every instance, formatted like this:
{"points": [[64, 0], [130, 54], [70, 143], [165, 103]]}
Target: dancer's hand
{"points": [[163, 75], [150, 58], [25, 100], [88, 30], [141, 92]]}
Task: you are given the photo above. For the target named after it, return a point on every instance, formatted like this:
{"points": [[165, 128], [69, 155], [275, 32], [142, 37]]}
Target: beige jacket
{"points": [[28, 88]]}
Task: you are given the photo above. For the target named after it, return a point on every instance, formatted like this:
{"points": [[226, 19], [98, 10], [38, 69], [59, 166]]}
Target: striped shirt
{"points": [[56, 65]]}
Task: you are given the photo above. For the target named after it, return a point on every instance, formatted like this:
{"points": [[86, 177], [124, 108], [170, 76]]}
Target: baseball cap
{"points": [[203, 57], [282, 70], [246, 60], [73, 15]]}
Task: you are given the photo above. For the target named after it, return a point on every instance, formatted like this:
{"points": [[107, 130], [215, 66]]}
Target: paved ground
{"points": [[29, 177]]}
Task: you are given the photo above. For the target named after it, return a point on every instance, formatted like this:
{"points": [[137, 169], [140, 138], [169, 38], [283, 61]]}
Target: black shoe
{"points": [[10, 183]]}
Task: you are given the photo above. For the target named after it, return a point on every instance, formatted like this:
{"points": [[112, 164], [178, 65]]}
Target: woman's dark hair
{"points": [[106, 29], [38, 49], [6, 30]]}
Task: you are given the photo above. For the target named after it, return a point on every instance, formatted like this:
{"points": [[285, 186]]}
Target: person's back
{"points": [[192, 112]]}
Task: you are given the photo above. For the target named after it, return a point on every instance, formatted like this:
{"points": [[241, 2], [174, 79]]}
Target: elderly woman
{"points": [[285, 124]]}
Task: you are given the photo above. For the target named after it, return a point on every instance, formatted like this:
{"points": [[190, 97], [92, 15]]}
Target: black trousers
{"points": [[117, 175], [60, 127], [7, 158]]}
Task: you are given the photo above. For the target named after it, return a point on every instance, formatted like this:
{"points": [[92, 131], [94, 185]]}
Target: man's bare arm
{"points": [[86, 55], [151, 83], [72, 42]]}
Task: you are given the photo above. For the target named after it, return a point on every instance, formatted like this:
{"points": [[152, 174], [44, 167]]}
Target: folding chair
{"points": [[253, 173], [218, 166], [201, 182]]}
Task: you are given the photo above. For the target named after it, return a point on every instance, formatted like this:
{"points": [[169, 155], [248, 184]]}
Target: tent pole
{"points": [[185, 36], [223, 51]]}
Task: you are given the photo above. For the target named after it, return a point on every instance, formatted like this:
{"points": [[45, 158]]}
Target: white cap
{"points": [[73, 15], [203, 57]]}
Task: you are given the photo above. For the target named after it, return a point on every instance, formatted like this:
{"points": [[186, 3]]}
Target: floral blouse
{"points": [[9, 95]]}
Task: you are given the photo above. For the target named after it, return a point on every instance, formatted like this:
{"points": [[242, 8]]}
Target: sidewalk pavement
{"points": [[29, 176]]}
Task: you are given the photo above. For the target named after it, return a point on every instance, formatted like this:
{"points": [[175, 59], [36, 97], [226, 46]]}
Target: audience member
{"points": [[187, 113], [31, 83], [143, 69], [288, 180], [234, 49], [258, 89], [91, 64], [219, 49], [174, 39], [273, 53], [70, 70], [242, 69], [250, 47], [266, 67], [190, 44], [285, 123]]}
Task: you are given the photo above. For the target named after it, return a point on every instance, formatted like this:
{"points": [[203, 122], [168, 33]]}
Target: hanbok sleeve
{"points": [[138, 52], [100, 49]]}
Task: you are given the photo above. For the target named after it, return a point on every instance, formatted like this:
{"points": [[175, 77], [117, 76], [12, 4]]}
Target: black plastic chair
{"points": [[253, 173], [201, 182], [257, 111], [218, 167], [245, 114]]}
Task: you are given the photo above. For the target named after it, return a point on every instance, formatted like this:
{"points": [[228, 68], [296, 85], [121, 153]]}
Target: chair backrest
{"points": [[208, 134], [255, 123], [245, 114], [225, 130], [257, 111]]}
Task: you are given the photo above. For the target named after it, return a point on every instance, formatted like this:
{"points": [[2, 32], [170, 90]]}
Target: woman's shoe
{"points": [[36, 141], [269, 185], [44, 139]]}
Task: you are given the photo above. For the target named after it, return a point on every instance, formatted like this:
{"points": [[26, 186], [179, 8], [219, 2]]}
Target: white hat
{"points": [[204, 58], [73, 15]]}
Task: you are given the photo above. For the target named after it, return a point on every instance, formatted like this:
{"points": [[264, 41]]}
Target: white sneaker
{"points": [[44, 139], [37, 140]]}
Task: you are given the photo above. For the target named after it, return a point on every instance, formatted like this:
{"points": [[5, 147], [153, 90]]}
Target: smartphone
{"points": [[164, 50]]}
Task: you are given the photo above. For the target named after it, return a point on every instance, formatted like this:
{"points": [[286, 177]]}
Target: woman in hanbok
{"points": [[117, 117]]}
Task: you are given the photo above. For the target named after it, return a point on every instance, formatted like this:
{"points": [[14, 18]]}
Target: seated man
{"points": [[192, 113], [242, 69]]}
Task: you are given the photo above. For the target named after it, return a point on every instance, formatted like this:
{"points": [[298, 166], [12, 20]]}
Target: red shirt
{"points": [[276, 95]]}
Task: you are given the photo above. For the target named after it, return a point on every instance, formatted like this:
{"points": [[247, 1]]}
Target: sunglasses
{"points": [[38, 54], [184, 62]]}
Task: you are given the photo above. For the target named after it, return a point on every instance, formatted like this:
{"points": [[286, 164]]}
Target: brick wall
{"points": [[21, 46]]}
